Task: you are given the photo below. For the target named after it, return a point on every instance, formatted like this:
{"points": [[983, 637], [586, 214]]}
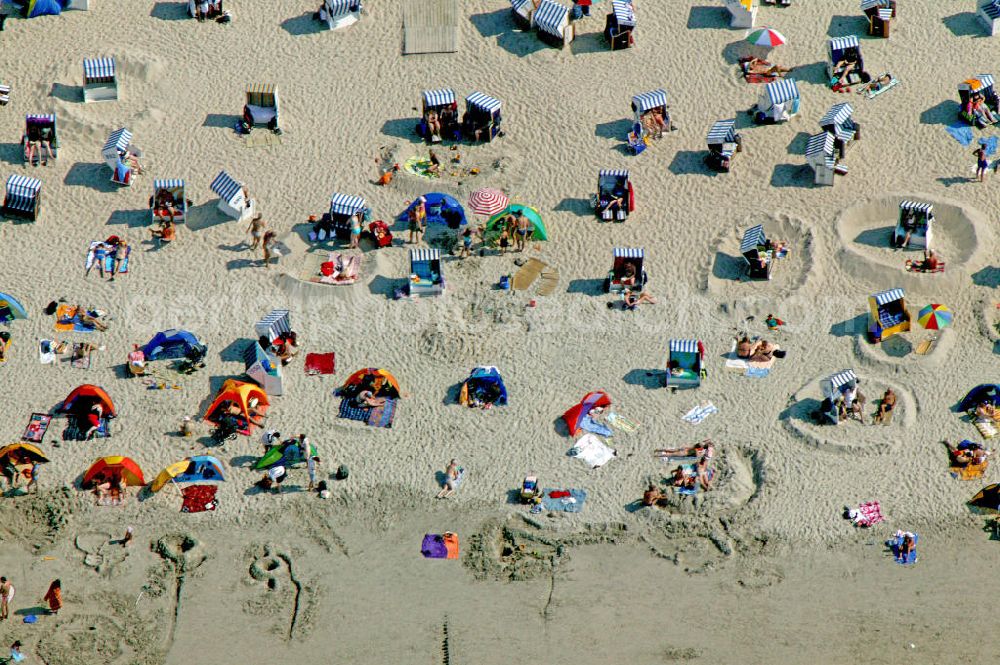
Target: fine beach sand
{"points": [[762, 569]]}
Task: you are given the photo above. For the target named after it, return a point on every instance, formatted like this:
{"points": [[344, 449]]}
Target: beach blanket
{"points": [[568, 501], [199, 498], [699, 413], [67, 321], [440, 546], [589, 424], [38, 424], [757, 372], [960, 132], [868, 514], [897, 543], [622, 423], [320, 363], [351, 411], [548, 282], [734, 362], [46, 351], [970, 471], [690, 470], [527, 274], [989, 144], [382, 416], [592, 451], [101, 251], [74, 433], [80, 357], [987, 429], [419, 167]]}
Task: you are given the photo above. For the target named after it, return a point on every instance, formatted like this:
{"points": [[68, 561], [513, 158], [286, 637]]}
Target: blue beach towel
{"points": [[757, 372], [590, 425], [351, 411], [699, 413], [109, 262], [990, 144], [961, 133], [896, 543], [562, 503]]}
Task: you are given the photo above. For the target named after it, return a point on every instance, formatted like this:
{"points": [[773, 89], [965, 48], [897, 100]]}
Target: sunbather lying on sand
{"points": [[632, 299], [88, 320], [761, 66], [367, 398], [876, 84], [986, 412], [704, 449], [886, 405], [966, 453], [759, 350]]}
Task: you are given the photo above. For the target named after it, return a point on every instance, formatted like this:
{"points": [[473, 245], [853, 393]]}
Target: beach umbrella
{"points": [[766, 37], [22, 450], [488, 201], [11, 309], [935, 317]]}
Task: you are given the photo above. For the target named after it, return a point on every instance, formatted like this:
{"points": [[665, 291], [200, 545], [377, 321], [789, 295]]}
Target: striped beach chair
{"points": [[887, 315], [522, 10], [117, 154], [778, 102], [879, 13], [551, 20], [845, 49], [343, 208], [988, 12], [443, 104], [839, 121], [426, 277], [643, 104], [684, 364], [742, 13], [39, 128], [627, 270], [834, 385], [100, 80], [917, 219], [274, 325], [175, 188], [723, 143], [22, 197], [614, 185], [619, 25], [820, 156], [340, 13], [758, 258], [482, 117], [4, 94], [261, 108], [979, 88], [233, 201], [202, 9]]}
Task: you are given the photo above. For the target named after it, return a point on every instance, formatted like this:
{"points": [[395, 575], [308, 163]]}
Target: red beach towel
{"points": [[320, 363]]}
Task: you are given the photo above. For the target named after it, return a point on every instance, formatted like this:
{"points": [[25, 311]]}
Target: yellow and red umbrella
{"points": [[22, 450], [935, 317]]}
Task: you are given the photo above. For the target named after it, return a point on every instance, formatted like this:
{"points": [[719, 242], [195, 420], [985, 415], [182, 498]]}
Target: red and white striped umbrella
{"points": [[488, 201]]}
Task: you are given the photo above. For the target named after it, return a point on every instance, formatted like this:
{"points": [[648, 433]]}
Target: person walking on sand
{"points": [[452, 478], [256, 231], [54, 597], [15, 652], [981, 162], [6, 595], [311, 463], [270, 237], [128, 537]]}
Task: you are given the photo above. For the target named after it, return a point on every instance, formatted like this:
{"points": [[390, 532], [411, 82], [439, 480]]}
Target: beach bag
{"points": [[342, 472]]}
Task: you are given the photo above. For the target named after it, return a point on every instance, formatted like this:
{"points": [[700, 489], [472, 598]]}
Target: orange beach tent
{"points": [[240, 393], [379, 381], [114, 467], [89, 394], [22, 450]]}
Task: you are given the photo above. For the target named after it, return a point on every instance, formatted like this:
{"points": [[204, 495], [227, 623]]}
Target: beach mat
{"points": [[548, 282], [699, 413], [869, 514], [970, 471], [67, 323], [351, 411], [320, 363], [527, 274], [46, 351], [199, 498], [924, 347], [430, 26], [38, 424], [961, 133], [262, 139], [564, 503], [896, 543], [621, 423], [80, 358], [440, 546], [757, 372], [382, 416], [988, 430], [74, 433], [419, 167]]}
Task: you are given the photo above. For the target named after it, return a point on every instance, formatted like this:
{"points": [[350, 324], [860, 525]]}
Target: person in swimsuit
{"points": [[981, 162], [452, 477], [355, 230], [256, 231], [119, 256], [523, 228], [652, 495], [886, 405], [165, 201], [466, 243]]}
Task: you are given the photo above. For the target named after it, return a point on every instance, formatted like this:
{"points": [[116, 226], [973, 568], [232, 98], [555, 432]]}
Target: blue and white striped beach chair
{"points": [[988, 12], [175, 188], [117, 154], [100, 80], [233, 201], [426, 276], [261, 108], [482, 116], [22, 197], [340, 13], [619, 25], [614, 185], [551, 20], [820, 156], [684, 364], [723, 142], [522, 10], [627, 270]]}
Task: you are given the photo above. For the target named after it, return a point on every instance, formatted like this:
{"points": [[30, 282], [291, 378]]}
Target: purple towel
{"points": [[433, 547]]}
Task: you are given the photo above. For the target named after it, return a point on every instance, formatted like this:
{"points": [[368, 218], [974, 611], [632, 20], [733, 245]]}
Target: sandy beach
{"points": [[760, 569]]}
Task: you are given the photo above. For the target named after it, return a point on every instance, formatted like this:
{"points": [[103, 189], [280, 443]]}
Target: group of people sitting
{"points": [[967, 453], [440, 121], [18, 469], [930, 263], [842, 71], [654, 122], [285, 346], [757, 349], [977, 108], [204, 9], [38, 140], [684, 476], [110, 489]]}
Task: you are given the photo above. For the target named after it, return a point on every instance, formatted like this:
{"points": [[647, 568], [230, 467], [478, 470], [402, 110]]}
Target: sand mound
{"points": [[725, 272], [850, 436], [904, 349], [864, 232]]}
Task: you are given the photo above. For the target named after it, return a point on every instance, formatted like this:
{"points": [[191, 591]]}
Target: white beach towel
{"points": [[590, 449], [699, 413], [734, 362]]}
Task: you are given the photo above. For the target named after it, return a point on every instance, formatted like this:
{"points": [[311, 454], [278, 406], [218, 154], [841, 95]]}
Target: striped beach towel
{"points": [[622, 423], [351, 411], [699, 413], [382, 416]]}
